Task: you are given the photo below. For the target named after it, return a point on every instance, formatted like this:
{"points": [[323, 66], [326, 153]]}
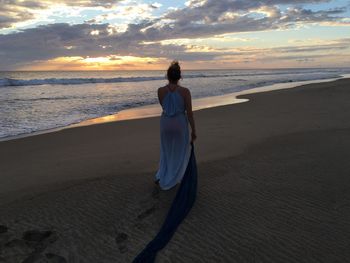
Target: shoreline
{"points": [[153, 110]]}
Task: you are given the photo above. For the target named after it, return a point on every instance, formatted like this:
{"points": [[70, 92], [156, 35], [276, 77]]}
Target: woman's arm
{"points": [[159, 95], [188, 104]]}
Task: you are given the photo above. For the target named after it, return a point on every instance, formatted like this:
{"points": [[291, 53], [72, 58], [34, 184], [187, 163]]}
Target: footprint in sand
{"points": [[39, 240], [32, 244], [121, 240], [147, 212]]}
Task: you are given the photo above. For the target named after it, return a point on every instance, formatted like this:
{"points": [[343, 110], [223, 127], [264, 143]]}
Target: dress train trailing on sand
{"points": [[181, 206]]}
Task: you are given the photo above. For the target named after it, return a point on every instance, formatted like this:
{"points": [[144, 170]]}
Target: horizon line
{"points": [[87, 70]]}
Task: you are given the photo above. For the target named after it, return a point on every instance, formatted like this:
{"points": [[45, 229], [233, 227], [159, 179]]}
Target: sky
{"points": [[147, 34]]}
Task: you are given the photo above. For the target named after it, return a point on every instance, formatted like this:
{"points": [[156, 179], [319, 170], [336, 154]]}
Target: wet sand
{"points": [[273, 185]]}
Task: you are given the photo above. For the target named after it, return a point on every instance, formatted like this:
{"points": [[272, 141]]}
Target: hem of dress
{"points": [[183, 169]]}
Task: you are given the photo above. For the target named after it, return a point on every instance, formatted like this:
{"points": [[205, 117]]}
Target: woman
{"points": [[174, 132], [177, 160]]}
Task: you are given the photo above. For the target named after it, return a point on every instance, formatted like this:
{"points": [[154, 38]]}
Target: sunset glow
{"points": [[94, 63]]}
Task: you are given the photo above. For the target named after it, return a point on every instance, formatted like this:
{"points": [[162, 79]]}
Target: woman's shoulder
{"points": [[184, 91], [162, 90]]}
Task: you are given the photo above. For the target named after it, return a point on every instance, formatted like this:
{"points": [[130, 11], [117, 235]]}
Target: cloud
{"points": [[46, 42], [89, 3], [16, 11], [210, 11], [206, 18], [128, 12]]}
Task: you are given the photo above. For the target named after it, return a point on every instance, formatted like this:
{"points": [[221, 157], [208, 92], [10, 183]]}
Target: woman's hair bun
{"points": [[174, 71], [175, 63]]}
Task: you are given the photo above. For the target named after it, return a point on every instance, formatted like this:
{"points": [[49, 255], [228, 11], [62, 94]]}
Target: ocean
{"points": [[38, 101]]}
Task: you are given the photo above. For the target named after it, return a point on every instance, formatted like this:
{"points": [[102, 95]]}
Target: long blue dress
{"points": [[175, 147]]}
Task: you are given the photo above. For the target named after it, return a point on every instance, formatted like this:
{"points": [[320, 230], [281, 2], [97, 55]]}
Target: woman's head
{"points": [[174, 72]]}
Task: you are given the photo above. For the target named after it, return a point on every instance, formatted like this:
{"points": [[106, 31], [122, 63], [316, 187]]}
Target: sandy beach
{"points": [[273, 186]]}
